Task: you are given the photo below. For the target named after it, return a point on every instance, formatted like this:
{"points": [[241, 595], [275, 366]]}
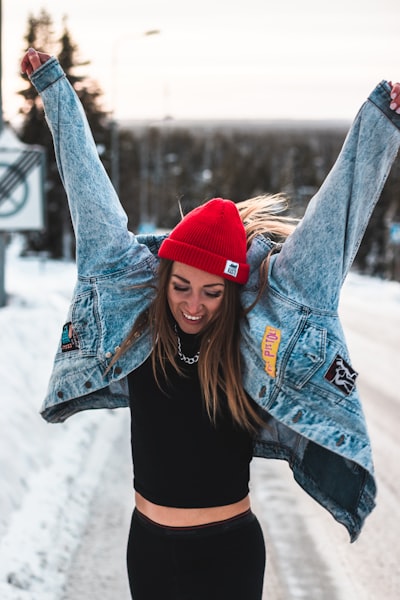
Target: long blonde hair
{"points": [[219, 365], [261, 215]]}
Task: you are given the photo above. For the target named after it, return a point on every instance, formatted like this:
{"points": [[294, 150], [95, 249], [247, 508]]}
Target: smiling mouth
{"points": [[191, 318]]}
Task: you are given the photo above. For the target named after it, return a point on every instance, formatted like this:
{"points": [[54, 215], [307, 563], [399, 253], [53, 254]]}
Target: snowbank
{"points": [[48, 473]]}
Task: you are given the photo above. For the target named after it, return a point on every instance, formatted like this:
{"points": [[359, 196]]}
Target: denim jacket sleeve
{"points": [[100, 223], [315, 259]]}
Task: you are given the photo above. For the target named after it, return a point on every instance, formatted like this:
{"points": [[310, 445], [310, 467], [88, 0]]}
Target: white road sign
{"points": [[21, 184]]}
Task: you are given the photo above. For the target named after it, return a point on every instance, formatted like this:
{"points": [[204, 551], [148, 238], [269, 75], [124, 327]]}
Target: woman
{"points": [[224, 343]]}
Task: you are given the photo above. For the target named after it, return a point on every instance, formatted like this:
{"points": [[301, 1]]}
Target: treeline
{"points": [[168, 162], [166, 166]]}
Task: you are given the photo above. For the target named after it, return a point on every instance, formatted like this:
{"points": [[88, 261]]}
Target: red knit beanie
{"points": [[211, 238]]}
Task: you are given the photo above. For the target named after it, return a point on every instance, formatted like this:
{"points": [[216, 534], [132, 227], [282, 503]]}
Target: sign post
{"points": [[2, 268], [2, 235]]}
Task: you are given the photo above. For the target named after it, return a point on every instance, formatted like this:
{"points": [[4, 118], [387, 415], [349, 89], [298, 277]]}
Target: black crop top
{"points": [[180, 458]]}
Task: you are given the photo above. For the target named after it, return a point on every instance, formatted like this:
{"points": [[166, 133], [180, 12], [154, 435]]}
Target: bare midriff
{"points": [[189, 517]]}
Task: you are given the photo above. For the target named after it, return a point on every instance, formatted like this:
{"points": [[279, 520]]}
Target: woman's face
{"points": [[194, 296]]}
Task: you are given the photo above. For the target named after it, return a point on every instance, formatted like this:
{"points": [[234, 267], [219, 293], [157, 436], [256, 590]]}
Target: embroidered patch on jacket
{"points": [[341, 375], [269, 347], [69, 339], [231, 268]]}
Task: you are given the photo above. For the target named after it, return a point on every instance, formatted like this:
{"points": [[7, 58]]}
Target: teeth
{"points": [[191, 318]]}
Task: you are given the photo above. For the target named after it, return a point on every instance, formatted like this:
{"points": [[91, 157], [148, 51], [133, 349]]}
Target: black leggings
{"points": [[218, 561]]}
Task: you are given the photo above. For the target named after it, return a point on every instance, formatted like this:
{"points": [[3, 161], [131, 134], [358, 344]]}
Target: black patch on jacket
{"points": [[341, 375]]}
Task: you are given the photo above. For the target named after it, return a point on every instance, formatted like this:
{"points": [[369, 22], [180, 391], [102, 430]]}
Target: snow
{"points": [[49, 473]]}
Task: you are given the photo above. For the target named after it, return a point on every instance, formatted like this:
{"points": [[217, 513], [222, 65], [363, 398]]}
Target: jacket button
{"points": [[340, 441], [88, 384], [108, 354], [60, 394], [118, 370], [297, 416]]}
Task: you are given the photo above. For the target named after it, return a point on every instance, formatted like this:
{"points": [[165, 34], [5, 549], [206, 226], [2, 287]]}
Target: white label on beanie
{"points": [[231, 268]]}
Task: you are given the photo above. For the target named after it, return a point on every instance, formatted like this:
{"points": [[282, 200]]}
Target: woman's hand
{"points": [[395, 97], [33, 60]]}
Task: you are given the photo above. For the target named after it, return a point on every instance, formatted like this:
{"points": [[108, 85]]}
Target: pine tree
{"points": [[57, 239]]}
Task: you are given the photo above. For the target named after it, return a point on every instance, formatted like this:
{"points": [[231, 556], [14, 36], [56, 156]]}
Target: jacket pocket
{"points": [[318, 362], [306, 354], [81, 332]]}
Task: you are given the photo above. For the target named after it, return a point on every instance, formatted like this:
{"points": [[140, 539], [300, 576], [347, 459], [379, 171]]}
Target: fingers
{"points": [[395, 98], [32, 60]]}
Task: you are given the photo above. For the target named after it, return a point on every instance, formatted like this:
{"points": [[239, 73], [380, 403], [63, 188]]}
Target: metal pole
{"points": [[115, 154], [115, 151], [2, 234], [144, 177], [2, 268], [1, 71]]}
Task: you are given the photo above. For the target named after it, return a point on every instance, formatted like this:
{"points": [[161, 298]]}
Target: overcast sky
{"points": [[221, 58]]}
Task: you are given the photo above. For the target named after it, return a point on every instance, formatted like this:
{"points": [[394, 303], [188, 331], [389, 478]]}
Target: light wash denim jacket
{"points": [[296, 364]]}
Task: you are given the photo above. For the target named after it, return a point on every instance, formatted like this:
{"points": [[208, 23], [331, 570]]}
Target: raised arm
{"points": [[316, 258], [100, 223]]}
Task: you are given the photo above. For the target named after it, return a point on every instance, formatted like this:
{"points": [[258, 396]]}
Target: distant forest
{"points": [[166, 164]]}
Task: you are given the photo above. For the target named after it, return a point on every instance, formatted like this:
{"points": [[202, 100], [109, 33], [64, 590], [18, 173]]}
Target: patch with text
{"points": [[69, 339], [341, 375], [231, 268], [269, 347]]}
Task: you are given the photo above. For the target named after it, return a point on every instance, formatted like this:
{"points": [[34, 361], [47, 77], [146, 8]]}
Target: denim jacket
{"points": [[296, 364]]}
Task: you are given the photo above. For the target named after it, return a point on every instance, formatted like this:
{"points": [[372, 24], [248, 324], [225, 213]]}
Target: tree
{"points": [[57, 239]]}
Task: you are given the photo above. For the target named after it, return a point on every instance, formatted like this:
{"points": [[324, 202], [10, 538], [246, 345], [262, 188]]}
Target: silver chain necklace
{"points": [[189, 360]]}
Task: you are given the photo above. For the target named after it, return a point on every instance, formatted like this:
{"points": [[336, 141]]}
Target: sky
{"points": [[260, 59]]}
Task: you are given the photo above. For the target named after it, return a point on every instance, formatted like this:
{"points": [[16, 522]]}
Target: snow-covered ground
{"points": [[48, 473]]}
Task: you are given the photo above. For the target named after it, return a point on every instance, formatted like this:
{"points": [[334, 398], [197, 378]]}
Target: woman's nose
{"points": [[193, 303]]}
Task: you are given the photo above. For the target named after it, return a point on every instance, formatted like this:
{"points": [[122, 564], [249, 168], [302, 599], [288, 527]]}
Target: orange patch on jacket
{"points": [[269, 347]]}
